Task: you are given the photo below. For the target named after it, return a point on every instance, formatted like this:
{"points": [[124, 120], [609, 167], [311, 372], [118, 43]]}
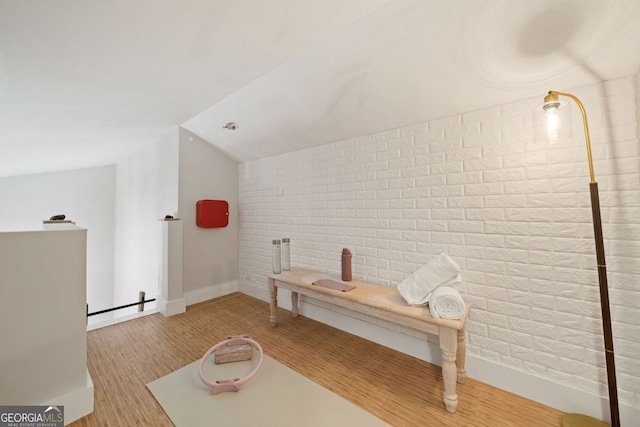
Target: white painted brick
{"points": [[484, 189], [464, 178], [478, 303], [507, 148], [465, 202], [402, 183], [527, 214], [530, 271], [506, 335], [572, 275], [496, 294], [429, 159], [463, 154], [432, 135], [431, 203], [383, 136], [446, 123], [527, 187], [502, 227], [506, 201], [446, 168], [624, 182], [622, 149], [557, 200], [401, 163], [476, 328], [525, 160], [402, 245], [483, 164], [418, 193], [449, 238], [504, 175], [390, 155], [414, 171], [447, 191], [620, 247], [446, 146], [560, 230], [416, 236], [472, 276], [417, 129], [388, 194], [568, 185], [620, 198], [487, 266], [417, 258], [416, 213], [431, 225], [540, 329], [486, 214], [484, 240], [572, 215], [627, 132], [488, 343], [486, 138], [394, 198], [390, 213], [429, 181], [465, 226], [508, 282], [513, 311], [511, 255]]}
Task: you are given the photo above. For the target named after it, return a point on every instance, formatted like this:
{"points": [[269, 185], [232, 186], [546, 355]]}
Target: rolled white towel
{"points": [[447, 303], [442, 270]]}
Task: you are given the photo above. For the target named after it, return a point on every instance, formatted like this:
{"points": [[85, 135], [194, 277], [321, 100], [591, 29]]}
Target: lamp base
{"points": [[577, 420]]}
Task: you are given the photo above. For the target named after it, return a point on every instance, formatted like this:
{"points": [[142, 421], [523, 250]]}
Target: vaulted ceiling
{"points": [[84, 83]]}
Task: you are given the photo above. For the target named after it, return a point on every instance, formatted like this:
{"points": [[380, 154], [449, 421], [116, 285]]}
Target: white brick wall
{"points": [[483, 187]]}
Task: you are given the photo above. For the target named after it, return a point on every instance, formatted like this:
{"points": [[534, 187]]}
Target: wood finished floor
{"points": [[399, 389]]}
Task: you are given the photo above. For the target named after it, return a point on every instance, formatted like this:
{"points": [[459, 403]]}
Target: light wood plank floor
{"points": [[399, 389]]}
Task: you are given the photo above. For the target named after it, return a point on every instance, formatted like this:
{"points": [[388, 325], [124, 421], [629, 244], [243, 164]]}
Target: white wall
{"points": [[146, 191], [42, 313], [511, 209], [210, 254], [85, 196]]}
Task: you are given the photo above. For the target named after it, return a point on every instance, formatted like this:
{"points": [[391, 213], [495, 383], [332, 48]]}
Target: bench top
{"points": [[379, 297]]}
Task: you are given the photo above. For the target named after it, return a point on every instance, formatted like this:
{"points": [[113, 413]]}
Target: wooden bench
{"points": [[386, 303]]}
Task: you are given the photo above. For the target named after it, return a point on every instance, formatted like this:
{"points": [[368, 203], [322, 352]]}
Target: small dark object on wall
{"points": [[57, 218], [168, 217]]}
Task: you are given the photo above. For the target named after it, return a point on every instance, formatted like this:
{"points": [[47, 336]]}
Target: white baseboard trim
{"points": [[210, 292], [120, 319], [77, 404], [170, 308], [538, 389]]}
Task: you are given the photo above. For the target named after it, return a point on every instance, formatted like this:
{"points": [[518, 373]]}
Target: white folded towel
{"points": [[442, 270], [447, 303]]}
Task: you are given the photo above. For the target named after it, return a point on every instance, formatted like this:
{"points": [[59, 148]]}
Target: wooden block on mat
{"points": [[233, 353]]}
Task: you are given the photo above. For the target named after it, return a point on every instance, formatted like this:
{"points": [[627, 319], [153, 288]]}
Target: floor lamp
{"points": [[551, 103]]}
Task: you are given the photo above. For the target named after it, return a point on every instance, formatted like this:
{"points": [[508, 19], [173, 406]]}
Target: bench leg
{"points": [[273, 304], [294, 304], [449, 347], [461, 358]]}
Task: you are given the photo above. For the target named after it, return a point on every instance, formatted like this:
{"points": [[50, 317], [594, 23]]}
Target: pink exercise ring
{"points": [[221, 386]]}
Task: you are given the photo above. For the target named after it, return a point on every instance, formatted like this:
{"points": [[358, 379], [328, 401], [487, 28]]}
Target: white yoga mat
{"points": [[276, 397]]}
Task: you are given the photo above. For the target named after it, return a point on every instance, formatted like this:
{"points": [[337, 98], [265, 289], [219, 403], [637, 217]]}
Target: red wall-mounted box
{"points": [[212, 213]]}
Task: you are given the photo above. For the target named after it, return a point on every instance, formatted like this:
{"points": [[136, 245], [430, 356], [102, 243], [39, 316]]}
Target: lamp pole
{"points": [[551, 100]]}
